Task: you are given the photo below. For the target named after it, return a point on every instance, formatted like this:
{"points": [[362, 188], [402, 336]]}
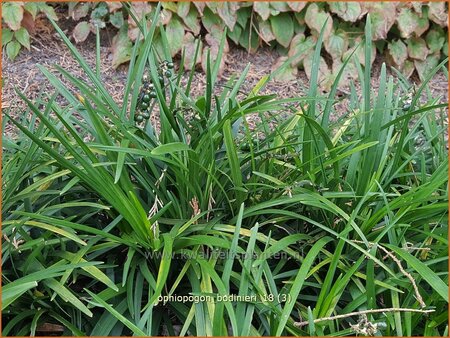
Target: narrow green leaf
{"points": [[164, 269], [56, 230], [235, 170], [67, 295], [137, 331], [170, 148], [121, 160], [423, 270], [11, 293], [93, 271], [299, 281]]}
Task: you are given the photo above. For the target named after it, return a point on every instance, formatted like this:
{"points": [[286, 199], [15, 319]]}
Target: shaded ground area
{"points": [[49, 50]]}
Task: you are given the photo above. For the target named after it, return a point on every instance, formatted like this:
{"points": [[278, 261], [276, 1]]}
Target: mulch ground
{"points": [[49, 50]]}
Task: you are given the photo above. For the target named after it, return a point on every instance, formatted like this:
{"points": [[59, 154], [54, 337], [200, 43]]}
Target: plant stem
{"points": [[304, 323]]}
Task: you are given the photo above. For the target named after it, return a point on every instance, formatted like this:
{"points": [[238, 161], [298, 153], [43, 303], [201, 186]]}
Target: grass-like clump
{"points": [[313, 226]]}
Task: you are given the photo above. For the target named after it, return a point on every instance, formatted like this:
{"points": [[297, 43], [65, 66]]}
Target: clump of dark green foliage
{"points": [[103, 215]]}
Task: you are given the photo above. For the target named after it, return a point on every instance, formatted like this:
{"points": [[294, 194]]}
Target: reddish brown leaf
{"points": [[397, 53], [417, 49], [200, 6], [288, 73], [81, 31], [189, 46], [315, 19], [183, 8], [165, 16], [297, 6], [438, 13], [265, 31], [407, 21], [121, 48], [227, 13], [382, 16], [300, 47], [175, 34], [134, 32], [80, 11], [28, 23], [12, 14], [324, 71], [139, 9], [349, 11], [262, 8], [113, 6], [213, 56], [408, 68], [425, 67]]}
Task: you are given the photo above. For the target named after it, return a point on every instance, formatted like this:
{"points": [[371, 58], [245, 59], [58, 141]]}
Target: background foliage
{"points": [[18, 22], [103, 210], [412, 35]]}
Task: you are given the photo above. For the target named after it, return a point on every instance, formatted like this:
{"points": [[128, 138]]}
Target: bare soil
{"points": [[49, 50]]}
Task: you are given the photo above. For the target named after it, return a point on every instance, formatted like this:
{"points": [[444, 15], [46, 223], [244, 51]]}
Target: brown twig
{"points": [[363, 312], [403, 271], [408, 275]]}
